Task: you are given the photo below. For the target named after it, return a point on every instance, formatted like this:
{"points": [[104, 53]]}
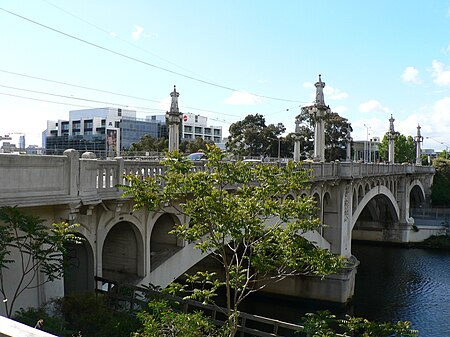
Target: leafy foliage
{"points": [[336, 128], [86, 315], [196, 145], [238, 212], [149, 143], [39, 248], [324, 324], [440, 191], [252, 137], [161, 320], [404, 149]]}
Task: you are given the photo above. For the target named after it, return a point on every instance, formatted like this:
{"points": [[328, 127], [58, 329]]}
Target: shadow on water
{"points": [[392, 284]]}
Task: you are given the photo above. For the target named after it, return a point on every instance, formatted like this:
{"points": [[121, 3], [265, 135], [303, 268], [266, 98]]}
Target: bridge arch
{"points": [[416, 193], [122, 252], [79, 261], [376, 192], [162, 244]]}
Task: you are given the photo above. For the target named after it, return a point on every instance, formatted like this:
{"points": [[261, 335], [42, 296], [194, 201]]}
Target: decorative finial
{"points": [[319, 92], [174, 104]]}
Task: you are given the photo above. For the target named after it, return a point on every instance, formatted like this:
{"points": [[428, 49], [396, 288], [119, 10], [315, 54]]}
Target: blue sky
{"points": [[229, 59]]}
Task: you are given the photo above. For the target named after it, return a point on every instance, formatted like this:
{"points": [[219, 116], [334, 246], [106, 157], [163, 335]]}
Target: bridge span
{"points": [[356, 200]]}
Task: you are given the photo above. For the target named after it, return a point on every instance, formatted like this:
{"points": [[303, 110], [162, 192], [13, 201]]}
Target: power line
{"points": [[76, 98], [118, 37], [140, 61], [78, 86], [108, 92]]}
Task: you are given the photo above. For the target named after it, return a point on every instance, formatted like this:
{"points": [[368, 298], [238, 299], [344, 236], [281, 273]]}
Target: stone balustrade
{"points": [[27, 180]]}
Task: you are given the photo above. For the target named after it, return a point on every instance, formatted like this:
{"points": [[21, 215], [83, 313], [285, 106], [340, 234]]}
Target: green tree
{"points": [[191, 146], [39, 248], [150, 144], [404, 149], [161, 320], [324, 324], [239, 214], [336, 129], [252, 137], [440, 191]]}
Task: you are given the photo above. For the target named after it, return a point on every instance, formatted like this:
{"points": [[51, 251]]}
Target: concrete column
{"points": [[73, 172], [297, 149], [174, 120], [418, 140], [391, 151]]}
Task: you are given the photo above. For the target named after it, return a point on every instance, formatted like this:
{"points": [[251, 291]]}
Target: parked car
{"points": [[197, 156]]}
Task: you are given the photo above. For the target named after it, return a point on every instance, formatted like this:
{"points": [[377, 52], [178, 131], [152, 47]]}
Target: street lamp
{"points": [[368, 144]]}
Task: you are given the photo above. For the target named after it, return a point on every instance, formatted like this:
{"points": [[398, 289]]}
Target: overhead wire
{"points": [[140, 61], [109, 92], [118, 37]]}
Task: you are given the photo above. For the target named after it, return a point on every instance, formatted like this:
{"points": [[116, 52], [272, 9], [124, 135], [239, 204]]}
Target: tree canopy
{"points": [[336, 129], [404, 149], [252, 137], [195, 145], [440, 191], [239, 214], [38, 249], [150, 144]]}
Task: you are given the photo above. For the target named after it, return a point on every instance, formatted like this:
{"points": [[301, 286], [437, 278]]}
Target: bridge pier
{"points": [[337, 288]]}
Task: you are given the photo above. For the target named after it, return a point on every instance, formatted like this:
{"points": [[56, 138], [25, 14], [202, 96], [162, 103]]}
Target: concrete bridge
{"points": [[357, 200]]}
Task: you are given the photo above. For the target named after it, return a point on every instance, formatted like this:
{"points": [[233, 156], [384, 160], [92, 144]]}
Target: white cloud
{"points": [[137, 33], [411, 74], [329, 92], [372, 106], [113, 34], [242, 98], [308, 85], [441, 73], [340, 109]]}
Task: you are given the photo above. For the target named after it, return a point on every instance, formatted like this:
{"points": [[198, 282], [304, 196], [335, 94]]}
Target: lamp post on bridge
{"points": [[418, 139], [174, 119], [391, 135], [317, 112]]}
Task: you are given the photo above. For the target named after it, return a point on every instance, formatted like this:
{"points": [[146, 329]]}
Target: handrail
{"points": [[133, 294]]}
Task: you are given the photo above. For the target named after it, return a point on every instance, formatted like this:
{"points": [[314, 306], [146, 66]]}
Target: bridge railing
{"points": [[134, 298], [40, 180]]}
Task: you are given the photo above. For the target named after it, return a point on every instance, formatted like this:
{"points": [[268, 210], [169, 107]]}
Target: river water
{"points": [[392, 284]]}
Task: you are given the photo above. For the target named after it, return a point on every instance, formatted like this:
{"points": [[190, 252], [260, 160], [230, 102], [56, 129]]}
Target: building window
{"points": [[217, 132], [196, 119], [198, 129]]}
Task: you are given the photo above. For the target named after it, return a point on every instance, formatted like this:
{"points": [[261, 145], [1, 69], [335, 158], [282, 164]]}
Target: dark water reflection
{"points": [[392, 284], [404, 284]]}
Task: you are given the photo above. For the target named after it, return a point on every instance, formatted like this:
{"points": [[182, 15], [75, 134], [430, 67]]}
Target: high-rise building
{"points": [[195, 126], [104, 131]]}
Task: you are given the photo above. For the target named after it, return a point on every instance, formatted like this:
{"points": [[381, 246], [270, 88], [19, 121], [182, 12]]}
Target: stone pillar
{"points": [[391, 137], [317, 113], [349, 140], [173, 120], [418, 139], [297, 141]]}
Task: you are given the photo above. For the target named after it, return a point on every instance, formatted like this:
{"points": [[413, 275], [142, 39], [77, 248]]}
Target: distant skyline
{"points": [[229, 59]]}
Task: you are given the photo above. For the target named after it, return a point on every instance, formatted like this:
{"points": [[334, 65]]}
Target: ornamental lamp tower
{"points": [[391, 136], [348, 145], [317, 113], [174, 119], [418, 139]]}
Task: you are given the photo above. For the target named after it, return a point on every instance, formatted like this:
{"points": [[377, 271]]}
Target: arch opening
{"points": [[79, 267], [163, 244], [122, 254]]}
